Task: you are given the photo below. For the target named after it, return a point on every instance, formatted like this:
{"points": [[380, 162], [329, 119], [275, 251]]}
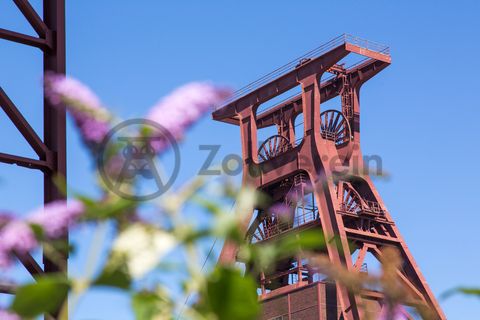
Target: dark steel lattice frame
{"points": [[51, 151]]}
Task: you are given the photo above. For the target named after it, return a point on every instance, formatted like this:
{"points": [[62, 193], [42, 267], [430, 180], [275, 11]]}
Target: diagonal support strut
{"points": [[22, 125], [33, 18]]}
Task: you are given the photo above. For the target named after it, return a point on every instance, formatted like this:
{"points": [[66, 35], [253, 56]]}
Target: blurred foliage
{"points": [[145, 247], [229, 294], [45, 295]]}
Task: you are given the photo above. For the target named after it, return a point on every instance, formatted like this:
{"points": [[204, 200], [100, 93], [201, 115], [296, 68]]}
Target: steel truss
{"points": [[349, 206], [51, 150]]}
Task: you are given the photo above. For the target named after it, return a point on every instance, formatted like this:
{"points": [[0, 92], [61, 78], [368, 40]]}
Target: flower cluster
{"points": [[5, 218], [396, 312], [92, 119], [17, 236], [57, 216], [175, 112], [5, 315], [281, 210], [184, 106]]}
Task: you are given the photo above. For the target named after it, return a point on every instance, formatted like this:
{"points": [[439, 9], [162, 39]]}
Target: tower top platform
{"points": [[286, 77]]}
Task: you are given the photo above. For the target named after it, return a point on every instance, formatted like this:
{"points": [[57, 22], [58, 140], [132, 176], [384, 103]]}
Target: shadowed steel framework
{"points": [[51, 150], [316, 174]]}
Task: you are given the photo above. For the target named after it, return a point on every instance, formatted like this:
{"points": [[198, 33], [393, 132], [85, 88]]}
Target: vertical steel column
{"points": [[55, 119], [51, 151]]}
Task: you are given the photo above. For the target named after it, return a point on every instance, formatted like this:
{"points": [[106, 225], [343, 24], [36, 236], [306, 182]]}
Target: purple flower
{"points": [[184, 106], [296, 194], [57, 216], [6, 315], [93, 130], [15, 237], [396, 312], [280, 208], [113, 167], [90, 117], [5, 218], [5, 260], [281, 211]]}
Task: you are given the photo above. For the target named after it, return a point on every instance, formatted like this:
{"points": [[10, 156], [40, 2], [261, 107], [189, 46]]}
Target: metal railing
{"points": [[300, 271], [367, 44], [372, 207], [297, 96], [270, 229], [375, 207], [315, 53]]}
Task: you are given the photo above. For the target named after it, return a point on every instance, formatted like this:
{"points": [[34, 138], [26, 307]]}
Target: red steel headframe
{"points": [[324, 172], [51, 151]]}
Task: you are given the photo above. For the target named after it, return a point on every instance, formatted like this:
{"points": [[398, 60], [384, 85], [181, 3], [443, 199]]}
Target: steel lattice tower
{"points": [[51, 150], [307, 175]]}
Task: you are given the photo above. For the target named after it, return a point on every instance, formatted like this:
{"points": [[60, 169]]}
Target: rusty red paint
{"points": [[347, 207]]}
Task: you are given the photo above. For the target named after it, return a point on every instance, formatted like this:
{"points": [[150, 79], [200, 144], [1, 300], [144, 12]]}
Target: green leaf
{"points": [[46, 295], [229, 295], [37, 230], [115, 276], [463, 290], [60, 183], [151, 305], [264, 255], [187, 234], [209, 205], [87, 201], [108, 210], [307, 240], [470, 291]]}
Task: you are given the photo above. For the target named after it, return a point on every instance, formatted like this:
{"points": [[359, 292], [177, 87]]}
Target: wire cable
{"points": [[201, 269]]}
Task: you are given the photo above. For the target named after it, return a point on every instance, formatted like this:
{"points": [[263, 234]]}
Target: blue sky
{"points": [[420, 114]]}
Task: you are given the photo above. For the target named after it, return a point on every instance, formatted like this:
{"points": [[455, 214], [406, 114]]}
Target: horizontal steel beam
{"points": [[24, 39], [282, 84], [25, 162], [328, 90], [379, 296], [373, 238]]}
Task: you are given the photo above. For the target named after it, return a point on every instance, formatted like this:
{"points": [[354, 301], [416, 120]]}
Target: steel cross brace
{"points": [[51, 151]]}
